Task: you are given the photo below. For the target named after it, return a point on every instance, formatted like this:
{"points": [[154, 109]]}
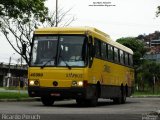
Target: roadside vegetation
{"points": [[13, 95], [15, 88], [146, 93], [147, 90]]}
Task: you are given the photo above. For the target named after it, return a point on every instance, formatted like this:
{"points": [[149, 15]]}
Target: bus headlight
{"points": [[77, 83], [34, 82], [80, 83], [31, 82]]}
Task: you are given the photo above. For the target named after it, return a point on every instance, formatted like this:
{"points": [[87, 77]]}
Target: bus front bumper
{"points": [[62, 93]]}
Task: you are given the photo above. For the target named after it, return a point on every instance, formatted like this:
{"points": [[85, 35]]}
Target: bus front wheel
{"points": [[94, 101], [80, 102], [47, 101]]}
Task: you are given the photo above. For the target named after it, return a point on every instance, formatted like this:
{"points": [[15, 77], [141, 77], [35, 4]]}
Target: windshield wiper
{"points": [[67, 65], [44, 65]]}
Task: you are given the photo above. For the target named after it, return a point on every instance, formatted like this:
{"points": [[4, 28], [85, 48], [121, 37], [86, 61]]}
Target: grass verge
{"points": [[15, 88], [13, 95], [145, 93]]}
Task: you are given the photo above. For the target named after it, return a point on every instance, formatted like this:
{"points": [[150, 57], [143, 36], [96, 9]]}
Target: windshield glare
{"points": [[64, 50]]}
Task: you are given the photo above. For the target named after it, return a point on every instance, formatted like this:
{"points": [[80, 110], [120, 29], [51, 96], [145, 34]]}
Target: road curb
{"points": [[145, 96]]}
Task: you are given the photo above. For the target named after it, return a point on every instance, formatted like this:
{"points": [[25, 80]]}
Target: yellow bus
{"points": [[80, 63]]}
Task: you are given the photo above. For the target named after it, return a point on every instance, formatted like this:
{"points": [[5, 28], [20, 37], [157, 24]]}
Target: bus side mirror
{"points": [[24, 46]]}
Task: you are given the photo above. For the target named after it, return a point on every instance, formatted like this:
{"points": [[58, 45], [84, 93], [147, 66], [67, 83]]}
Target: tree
{"points": [[15, 22], [62, 15], [137, 46], [17, 8], [18, 29], [158, 11], [147, 73], [19, 32]]}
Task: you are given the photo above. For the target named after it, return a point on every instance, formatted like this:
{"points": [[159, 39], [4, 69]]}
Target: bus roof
{"points": [[82, 30]]}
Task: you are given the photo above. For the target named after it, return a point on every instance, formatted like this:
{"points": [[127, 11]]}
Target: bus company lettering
{"points": [[36, 74], [73, 75]]}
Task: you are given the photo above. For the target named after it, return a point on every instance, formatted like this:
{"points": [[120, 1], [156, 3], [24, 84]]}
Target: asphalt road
{"points": [[134, 109]]}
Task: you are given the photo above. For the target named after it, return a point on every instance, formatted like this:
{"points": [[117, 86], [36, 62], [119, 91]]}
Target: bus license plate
{"points": [[55, 94]]}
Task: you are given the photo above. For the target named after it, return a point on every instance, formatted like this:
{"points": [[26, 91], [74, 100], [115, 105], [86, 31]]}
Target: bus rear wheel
{"points": [[121, 99], [47, 101]]}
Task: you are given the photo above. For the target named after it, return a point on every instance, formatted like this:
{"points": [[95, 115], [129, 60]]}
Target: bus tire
{"points": [[126, 90], [117, 100], [80, 102], [94, 101], [123, 96], [47, 101]]}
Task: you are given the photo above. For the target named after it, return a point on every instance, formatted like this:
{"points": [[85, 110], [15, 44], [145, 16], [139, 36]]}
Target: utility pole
{"points": [[56, 13], [154, 81], [9, 70]]}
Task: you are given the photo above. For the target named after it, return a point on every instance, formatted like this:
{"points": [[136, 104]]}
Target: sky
{"points": [[117, 18]]}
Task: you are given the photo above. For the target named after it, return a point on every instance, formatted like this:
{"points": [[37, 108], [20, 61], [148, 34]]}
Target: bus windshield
{"points": [[60, 50]]}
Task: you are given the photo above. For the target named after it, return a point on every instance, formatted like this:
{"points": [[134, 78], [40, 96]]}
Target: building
{"points": [[152, 57], [11, 75], [152, 42], [155, 43]]}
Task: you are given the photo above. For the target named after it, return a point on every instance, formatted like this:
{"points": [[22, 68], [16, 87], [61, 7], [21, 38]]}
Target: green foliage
{"points": [[146, 93], [158, 11], [136, 45], [147, 72], [154, 70], [19, 8], [13, 95], [18, 19]]}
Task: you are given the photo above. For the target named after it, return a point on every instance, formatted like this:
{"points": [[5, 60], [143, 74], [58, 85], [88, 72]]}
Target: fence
{"points": [[15, 81]]}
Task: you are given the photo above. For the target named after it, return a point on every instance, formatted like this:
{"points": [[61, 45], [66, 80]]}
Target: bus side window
{"points": [[121, 56], [98, 48], [103, 51], [110, 53], [106, 51], [126, 58], [130, 60], [116, 56]]}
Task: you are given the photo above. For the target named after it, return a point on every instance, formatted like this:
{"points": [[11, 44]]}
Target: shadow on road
{"points": [[72, 104]]}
